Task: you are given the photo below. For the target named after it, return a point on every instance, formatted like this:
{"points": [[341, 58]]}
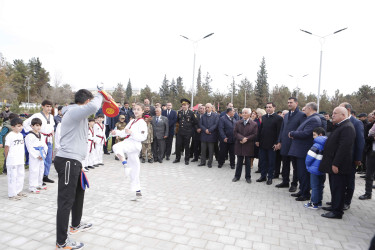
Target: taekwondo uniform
{"points": [[131, 146], [46, 130], [90, 159], [99, 131], [36, 166]]}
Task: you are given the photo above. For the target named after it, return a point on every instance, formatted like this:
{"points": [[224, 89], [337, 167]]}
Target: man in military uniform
{"points": [[187, 120]]}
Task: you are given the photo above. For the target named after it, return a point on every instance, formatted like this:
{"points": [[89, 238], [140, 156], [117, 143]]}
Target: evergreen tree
{"points": [[206, 87], [129, 90], [239, 100], [119, 93], [146, 93], [164, 89], [261, 87], [173, 89], [199, 82]]}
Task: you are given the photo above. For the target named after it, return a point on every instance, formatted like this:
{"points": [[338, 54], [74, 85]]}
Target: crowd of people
{"points": [[309, 143]]}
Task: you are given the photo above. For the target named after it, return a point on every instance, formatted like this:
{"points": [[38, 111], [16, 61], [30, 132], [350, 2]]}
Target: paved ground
{"points": [[185, 207]]}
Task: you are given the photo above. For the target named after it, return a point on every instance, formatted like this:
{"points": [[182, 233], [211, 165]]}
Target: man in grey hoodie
{"points": [[68, 164]]}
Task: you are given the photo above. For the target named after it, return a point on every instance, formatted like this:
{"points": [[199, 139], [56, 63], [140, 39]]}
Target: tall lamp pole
{"points": [[298, 78], [321, 40], [231, 98], [195, 45]]}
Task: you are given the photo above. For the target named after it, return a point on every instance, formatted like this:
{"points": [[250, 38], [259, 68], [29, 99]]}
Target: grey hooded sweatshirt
{"points": [[74, 129]]}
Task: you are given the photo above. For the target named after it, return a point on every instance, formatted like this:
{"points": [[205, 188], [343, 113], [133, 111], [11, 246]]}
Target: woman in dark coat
{"points": [[245, 132]]}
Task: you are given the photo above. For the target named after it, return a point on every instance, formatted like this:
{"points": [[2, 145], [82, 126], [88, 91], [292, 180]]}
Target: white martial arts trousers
{"points": [[36, 171], [98, 153], [131, 149], [16, 176]]}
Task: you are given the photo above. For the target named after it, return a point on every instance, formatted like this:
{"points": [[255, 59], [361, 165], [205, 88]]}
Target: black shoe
{"points": [[201, 164], [232, 167], [46, 179], [143, 160], [186, 162], [209, 166], [248, 181], [167, 158], [363, 176], [160, 161], [332, 215], [220, 166], [194, 160], [269, 182], [261, 179], [108, 153], [301, 198], [296, 194], [96, 165], [101, 164], [327, 208], [91, 167], [346, 207], [365, 197], [292, 188], [235, 179], [329, 203], [176, 161], [282, 185], [44, 184], [151, 161], [258, 171], [116, 158]]}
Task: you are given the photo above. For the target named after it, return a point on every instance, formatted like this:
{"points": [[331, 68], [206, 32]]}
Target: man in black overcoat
{"points": [[337, 160]]}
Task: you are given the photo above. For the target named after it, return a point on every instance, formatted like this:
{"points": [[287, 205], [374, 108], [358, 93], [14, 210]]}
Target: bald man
{"points": [[337, 160]]}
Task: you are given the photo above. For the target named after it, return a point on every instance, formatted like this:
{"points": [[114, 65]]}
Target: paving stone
{"points": [[177, 213]]}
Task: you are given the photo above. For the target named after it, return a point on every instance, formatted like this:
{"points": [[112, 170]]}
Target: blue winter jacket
{"points": [[315, 155]]}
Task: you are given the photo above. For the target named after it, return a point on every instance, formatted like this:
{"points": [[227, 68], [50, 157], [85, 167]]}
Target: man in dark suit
{"points": [[160, 126], [337, 160], [226, 128], [291, 122], [357, 154], [126, 110], [268, 134], [230, 106], [172, 119], [208, 124], [196, 139], [370, 158], [302, 140]]}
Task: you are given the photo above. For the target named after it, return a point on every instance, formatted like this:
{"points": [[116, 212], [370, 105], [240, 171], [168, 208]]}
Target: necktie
{"points": [[244, 122], [157, 119], [168, 112]]}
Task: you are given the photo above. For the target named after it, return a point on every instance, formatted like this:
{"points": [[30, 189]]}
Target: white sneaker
{"points": [[22, 194], [35, 191], [15, 198], [70, 244], [42, 188], [81, 228]]}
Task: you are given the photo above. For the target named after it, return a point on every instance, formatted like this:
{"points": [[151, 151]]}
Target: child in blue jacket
{"points": [[313, 159]]}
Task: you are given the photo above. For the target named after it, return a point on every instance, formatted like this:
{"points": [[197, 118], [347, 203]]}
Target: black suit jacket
{"points": [[338, 149], [269, 130]]}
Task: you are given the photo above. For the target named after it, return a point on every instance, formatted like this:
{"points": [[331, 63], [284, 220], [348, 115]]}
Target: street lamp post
{"points": [[195, 45], [298, 78], [321, 40], [231, 98]]}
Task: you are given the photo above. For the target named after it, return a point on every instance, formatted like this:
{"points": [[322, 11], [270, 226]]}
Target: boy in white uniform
{"points": [[47, 131], [99, 130], [14, 154], [90, 156], [36, 164], [135, 132]]}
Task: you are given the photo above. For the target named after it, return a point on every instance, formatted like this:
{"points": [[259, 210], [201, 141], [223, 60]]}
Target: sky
{"points": [[83, 43]]}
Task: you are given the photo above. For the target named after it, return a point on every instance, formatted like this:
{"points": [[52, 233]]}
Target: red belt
{"points": [[47, 135], [92, 142]]}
